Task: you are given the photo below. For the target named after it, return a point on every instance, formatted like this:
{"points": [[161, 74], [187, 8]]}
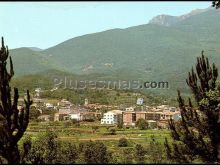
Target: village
{"points": [[64, 110]]}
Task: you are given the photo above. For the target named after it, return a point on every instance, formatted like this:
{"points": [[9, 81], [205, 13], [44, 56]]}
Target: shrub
{"points": [[123, 142], [112, 131], [142, 124]]}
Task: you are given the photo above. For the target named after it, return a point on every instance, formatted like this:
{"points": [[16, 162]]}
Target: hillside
{"points": [[161, 51]]}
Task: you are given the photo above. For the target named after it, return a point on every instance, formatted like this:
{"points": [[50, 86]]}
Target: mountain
{"points": [[165, 49], [27, 61], [35, 49], [167, 20]]}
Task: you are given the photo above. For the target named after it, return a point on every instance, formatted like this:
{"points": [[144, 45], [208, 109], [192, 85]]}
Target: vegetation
{"points": [[197, 134], [13, 122], [112, 131], [153, 45], [155, 152], [34, 113], [216, 4], [141, 123], [140, 153], [123, 142], [194, 139], [96, 153]]}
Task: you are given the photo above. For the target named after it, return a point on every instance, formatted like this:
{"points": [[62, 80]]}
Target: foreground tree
{"points": [[13, 123], [96, 153], [67, 153], [140, 153], [44, 149], [216, 4], [155, 151], [197, 135]]}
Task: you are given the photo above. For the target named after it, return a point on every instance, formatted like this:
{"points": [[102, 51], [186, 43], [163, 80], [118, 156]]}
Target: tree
{"points": [[155, 151], [141, 124], [123, 142], [197, 135], [120, 122], [112, 131], [127, 154], [34, 113], [67, 153], [95, 128], [26, 147], [13, 123], [96, 153], [44, 149], [216, 4], [140, 153]]}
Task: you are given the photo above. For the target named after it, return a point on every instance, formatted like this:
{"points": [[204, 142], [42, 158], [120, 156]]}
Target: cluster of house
{"points": [[157, 117], [69, 111]]}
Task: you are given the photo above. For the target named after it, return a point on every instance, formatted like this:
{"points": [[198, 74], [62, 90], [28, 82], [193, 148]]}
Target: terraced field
{"points": [[86, 132]]}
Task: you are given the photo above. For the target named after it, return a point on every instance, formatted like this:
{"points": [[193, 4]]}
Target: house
{"points": [[86, 102], [152, 124], [170, 115], [75, 116], [49, 105], [163, 124], [172, 109], [153, 116], [37, 92], [111, 117], [64, 103], [56, 117], [44, 117], [129, 109], [140, 101], [130, 118], [64, 113], [60, 117], [64, 110], [88, 116]]}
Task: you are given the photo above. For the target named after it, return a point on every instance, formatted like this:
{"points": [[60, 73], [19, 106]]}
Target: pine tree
{"points": [[197, 135], [13, 122], [216, 4]]}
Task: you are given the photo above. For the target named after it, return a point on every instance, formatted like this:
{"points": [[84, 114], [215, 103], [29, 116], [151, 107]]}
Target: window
{"points": [[133, 117]]}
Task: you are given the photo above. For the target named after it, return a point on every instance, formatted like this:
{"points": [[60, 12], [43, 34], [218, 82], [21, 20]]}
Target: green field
{"points": [[70, 132]]}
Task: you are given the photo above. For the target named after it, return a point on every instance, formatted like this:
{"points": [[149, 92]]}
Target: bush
{"points": [[123, 142], [73, 121], [95, 128], [44, 149], [112, 131], [142, 124], [67, 153], [96, 153], [89, 120]]}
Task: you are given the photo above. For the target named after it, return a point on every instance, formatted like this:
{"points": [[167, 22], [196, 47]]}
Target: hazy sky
{"points": [[45, 24]]}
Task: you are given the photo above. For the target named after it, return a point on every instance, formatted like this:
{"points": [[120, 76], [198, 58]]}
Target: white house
{"points": [[86, 102], [49, 105], [140, 101], [111, 117], [37, 92], [75, 116]]}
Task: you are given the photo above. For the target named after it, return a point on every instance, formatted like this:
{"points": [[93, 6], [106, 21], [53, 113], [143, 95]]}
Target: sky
{"points": [[46, 24]]}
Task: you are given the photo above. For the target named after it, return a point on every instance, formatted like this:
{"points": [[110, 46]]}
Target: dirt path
{"points": [[100, 138]]}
